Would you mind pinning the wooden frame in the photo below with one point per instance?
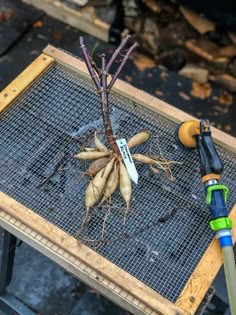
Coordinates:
(24, 80)
(86, 264)
(81, 20)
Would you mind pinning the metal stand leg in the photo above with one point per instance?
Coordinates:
(8, 303)
(6, 258)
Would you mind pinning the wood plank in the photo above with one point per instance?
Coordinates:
(205, 272)
(78, 19)
(24, 80)
(73, 265)
(86, 256)
(144, 99)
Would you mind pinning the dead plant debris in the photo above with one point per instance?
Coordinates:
(159, 93)
(184, 96)
(5, 15)
(37, 24)
(226, 98)
(164, 75)
(227, 128)
(143, 62)
(128, 78)
(201, 91)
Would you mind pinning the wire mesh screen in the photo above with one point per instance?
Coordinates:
(166, 231)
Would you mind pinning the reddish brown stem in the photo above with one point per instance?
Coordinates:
(88, 64)
(116, 52)
(100, 80)
(95, 67)
(105, 109)
(121, 66)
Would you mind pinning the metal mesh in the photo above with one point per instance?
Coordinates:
(52, 119)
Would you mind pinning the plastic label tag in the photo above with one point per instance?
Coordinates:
(127, 158)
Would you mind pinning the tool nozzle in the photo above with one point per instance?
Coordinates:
(186, 134)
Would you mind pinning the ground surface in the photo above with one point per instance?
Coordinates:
(45, 286)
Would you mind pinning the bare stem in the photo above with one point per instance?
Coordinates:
(100, 79)
(121, 66)
(95, 67)
(105, 109)
(116, 52)
(88, 64)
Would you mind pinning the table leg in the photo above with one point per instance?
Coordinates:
(8, 303)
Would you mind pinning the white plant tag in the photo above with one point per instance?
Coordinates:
(127, 158)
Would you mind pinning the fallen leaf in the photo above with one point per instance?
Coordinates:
(33, 52)
(227, 127)
(199, 114)
(164, 76)
(184, 96)
(201, 24)
(226, 98)
(6, 15)
(201, 91)
(38, 24)
(57, 35)
(157, 92)
(128, 78)
(143, 62)
(221, 109)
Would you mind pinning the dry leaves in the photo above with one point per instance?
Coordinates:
(201, 91)
(143, 62)
(57, 35)
(226, 98)
(201, 24)
(184, 96)
(227, 128)
(6, 15)
(38, 24)
(128, 78)
(164, 76)
(221, 109)
(159, 93)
